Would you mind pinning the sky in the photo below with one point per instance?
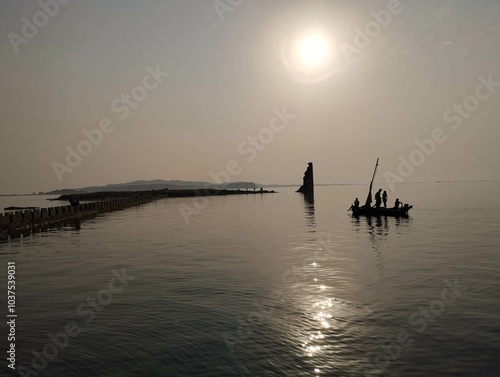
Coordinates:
(247, 90)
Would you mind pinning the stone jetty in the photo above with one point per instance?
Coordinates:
(25, 222)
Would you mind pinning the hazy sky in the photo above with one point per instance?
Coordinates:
(231, 68)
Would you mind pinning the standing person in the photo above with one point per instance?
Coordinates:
(378, 199)
(384, 199)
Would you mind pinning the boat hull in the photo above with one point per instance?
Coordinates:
(395, 212)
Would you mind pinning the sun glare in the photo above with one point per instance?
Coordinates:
(313, 49)
(310, 55)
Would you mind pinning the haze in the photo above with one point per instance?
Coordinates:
(232, 67)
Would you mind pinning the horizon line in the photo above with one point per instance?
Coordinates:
(298, 184)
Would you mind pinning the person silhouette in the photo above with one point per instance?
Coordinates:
(397, 203)
(355, 205)
(378, 199)
(74, 201)
(384, 199)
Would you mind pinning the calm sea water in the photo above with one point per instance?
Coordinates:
(265, 285)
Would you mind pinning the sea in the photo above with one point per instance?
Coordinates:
(260, 285)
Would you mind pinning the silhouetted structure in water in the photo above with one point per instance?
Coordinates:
(32, 220)
(307, 187)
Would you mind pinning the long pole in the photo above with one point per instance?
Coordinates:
(373, 177)
(369, 198)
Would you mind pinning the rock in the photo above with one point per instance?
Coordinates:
(307, 187)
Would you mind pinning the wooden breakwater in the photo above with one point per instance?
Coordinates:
(25, 222)
(28, 221)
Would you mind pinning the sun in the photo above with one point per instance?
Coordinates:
(313, 49)
(310, 55)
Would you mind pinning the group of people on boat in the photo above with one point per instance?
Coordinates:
(380, 197)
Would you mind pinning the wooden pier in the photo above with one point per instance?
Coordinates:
(25, 222)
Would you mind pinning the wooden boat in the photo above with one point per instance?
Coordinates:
(368, 210)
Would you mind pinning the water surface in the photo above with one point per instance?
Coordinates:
(269, 285)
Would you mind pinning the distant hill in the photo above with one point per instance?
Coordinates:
(62, 192)
(156, 184)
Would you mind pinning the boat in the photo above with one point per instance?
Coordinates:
(368, 210)
(395, 212)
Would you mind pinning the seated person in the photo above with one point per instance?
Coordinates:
(397, 203)
(355, 205)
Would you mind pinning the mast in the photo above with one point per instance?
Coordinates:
(369, 198)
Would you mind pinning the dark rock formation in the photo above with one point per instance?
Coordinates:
(307, 187)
